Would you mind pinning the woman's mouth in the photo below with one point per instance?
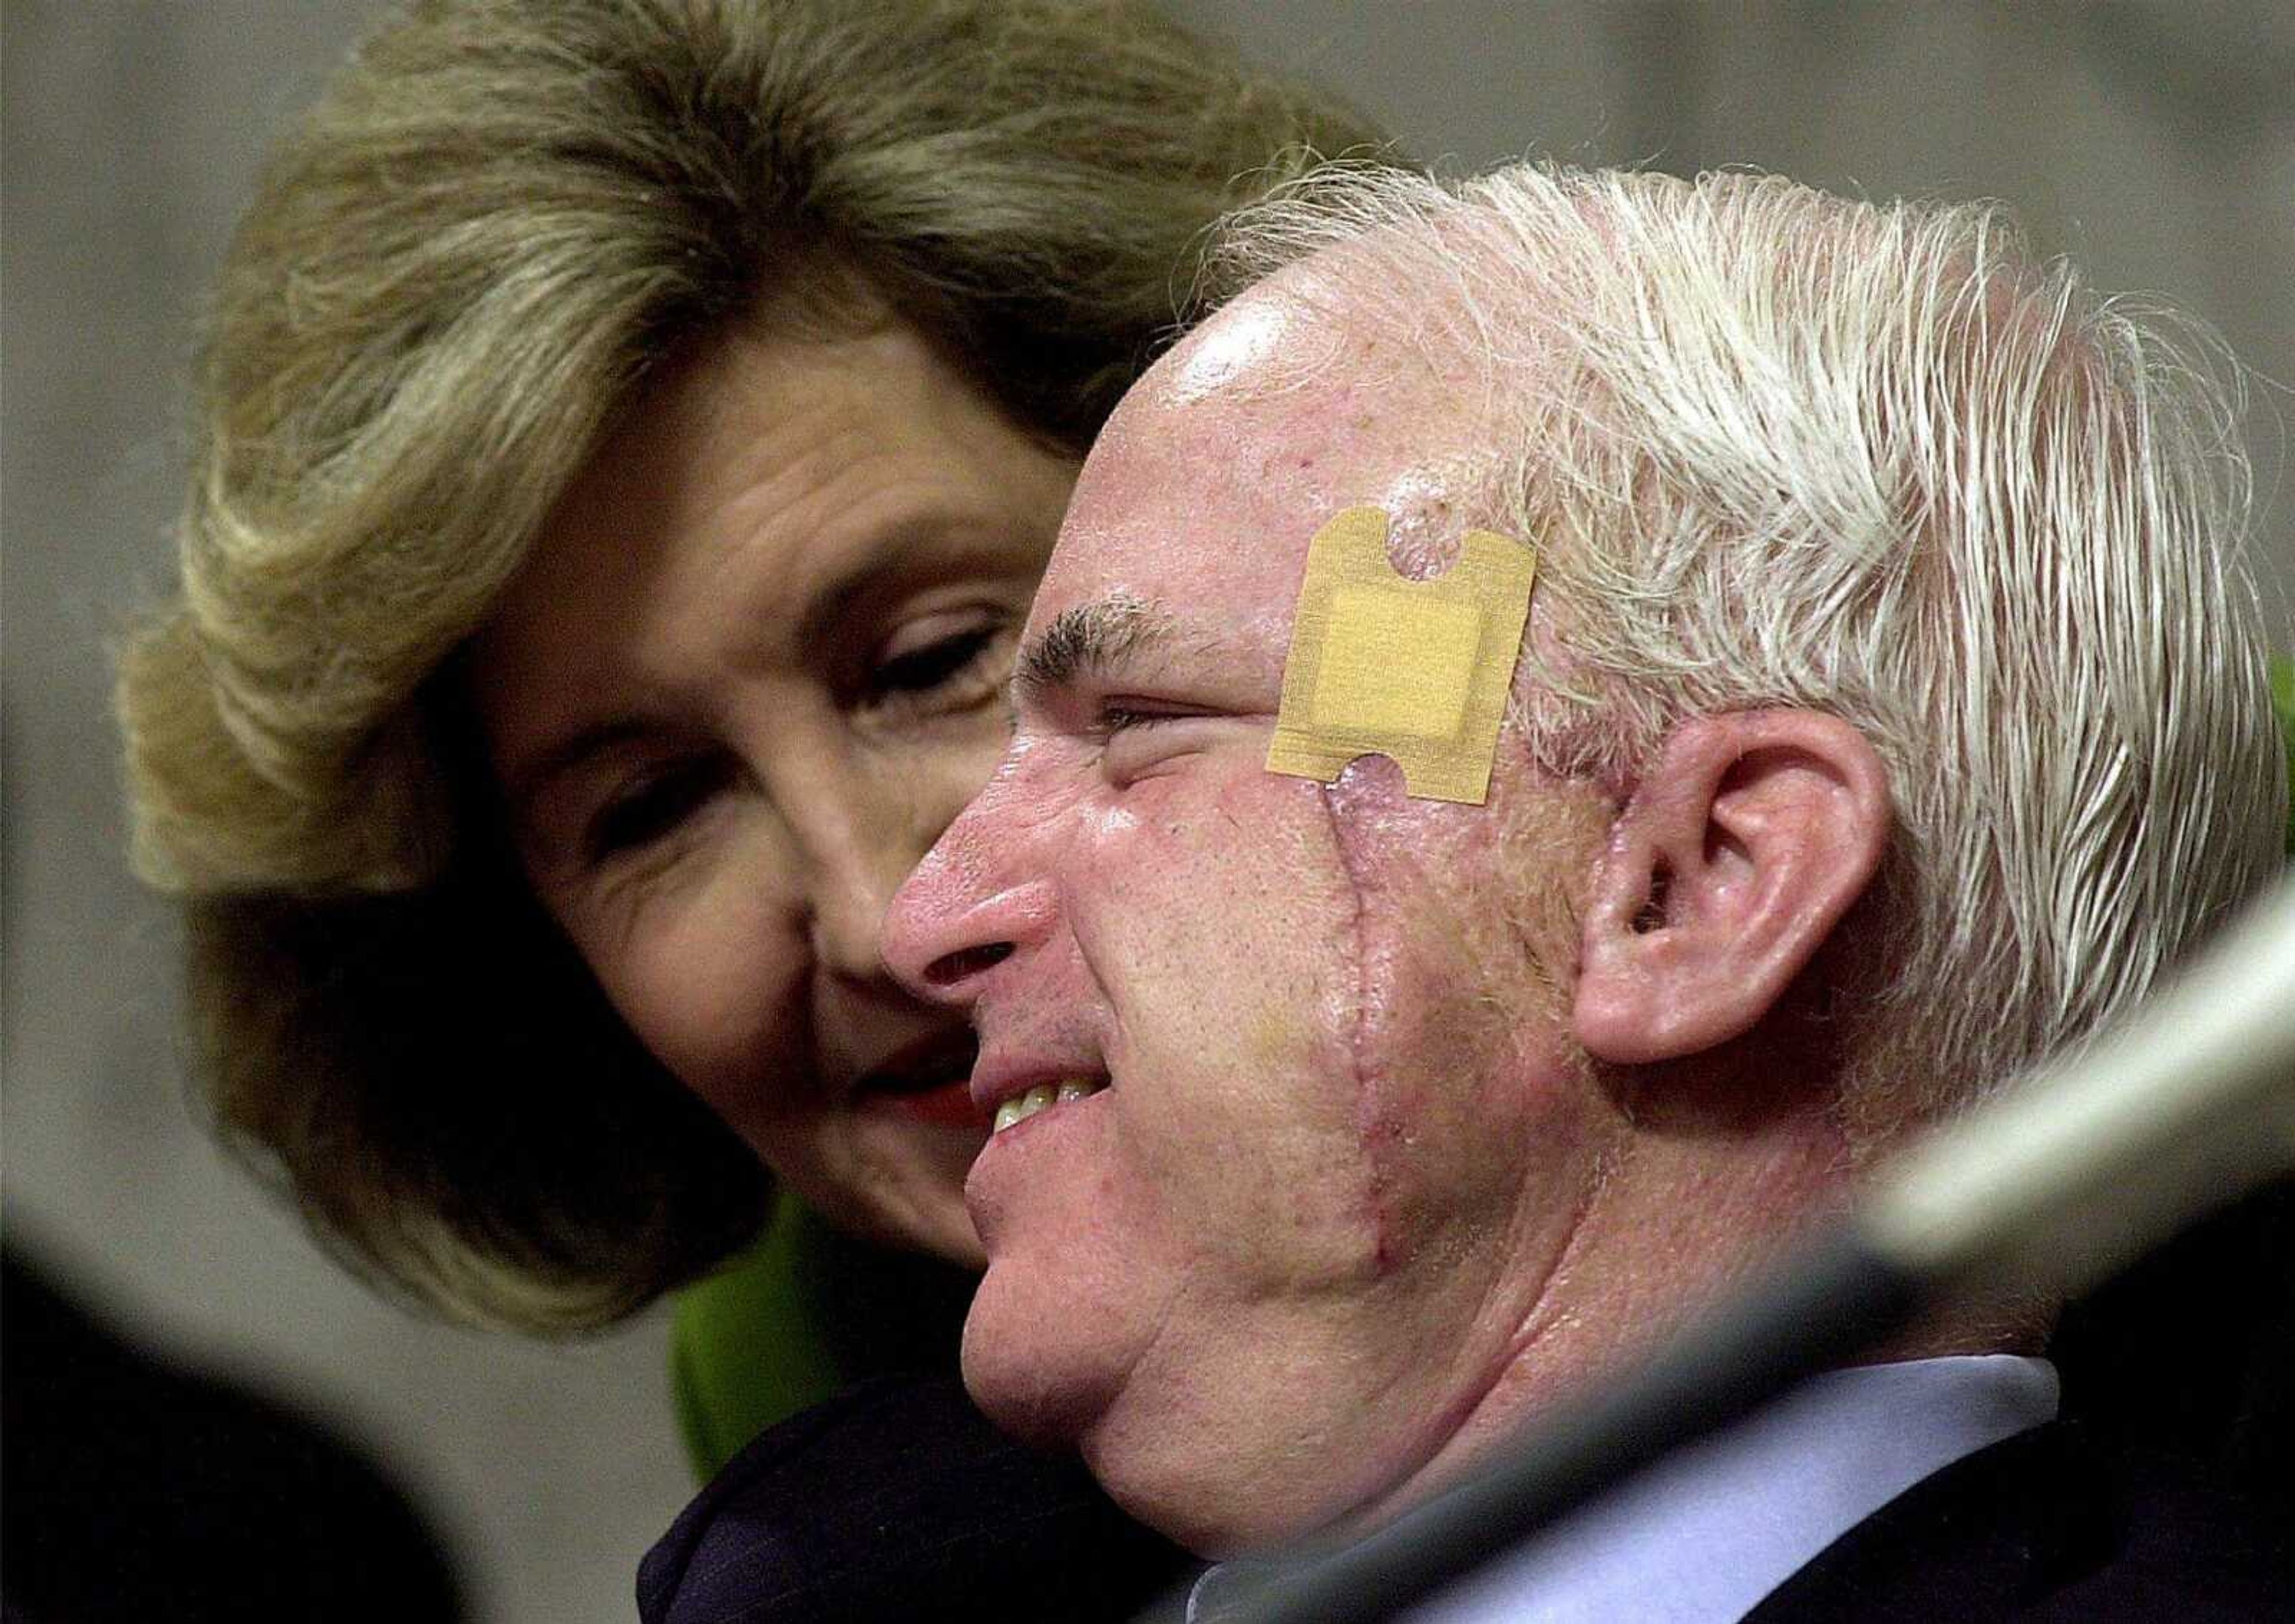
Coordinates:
(929, 1079)
(949, 1105)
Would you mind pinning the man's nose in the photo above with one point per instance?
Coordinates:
(968, 907)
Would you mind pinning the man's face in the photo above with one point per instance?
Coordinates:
(1335, 1139)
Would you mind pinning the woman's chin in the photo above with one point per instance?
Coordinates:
(900, 1182)
(950, 1236)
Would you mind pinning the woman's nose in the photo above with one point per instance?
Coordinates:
(969, 906)
(845, 906)
(851, 846)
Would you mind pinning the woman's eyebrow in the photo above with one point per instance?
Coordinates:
(1090, 640)
(525, 783)
(922, 549)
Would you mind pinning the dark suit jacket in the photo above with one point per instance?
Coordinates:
(2044, 1528)
(2050, 1526)
(896, 1501)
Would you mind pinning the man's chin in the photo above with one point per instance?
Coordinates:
(1019, 1376)
(1033, 1373)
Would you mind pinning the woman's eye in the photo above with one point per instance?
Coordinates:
(936, 661)
(643, 813)
(935, 665)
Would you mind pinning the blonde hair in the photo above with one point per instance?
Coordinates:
(455, 274)
(1788, 449)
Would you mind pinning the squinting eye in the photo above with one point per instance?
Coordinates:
(1117, 719)
(649, 809)
(1136, 743)
(921, 670)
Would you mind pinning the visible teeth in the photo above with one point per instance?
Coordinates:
(1020, 1107)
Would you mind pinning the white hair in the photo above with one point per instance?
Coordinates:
(1784, 448)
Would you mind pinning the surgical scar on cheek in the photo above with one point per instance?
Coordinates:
(1369, 1126)
(1416, 671)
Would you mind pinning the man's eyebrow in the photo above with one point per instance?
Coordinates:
(1087, 640)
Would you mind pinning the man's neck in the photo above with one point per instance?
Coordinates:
(1677, 1223)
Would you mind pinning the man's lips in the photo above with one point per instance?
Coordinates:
(927, 1078)
(1008, 1090)
(1018, 1108)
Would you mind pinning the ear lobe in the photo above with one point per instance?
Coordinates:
(1742, 848)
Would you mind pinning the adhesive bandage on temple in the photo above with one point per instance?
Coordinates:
(1416, 671)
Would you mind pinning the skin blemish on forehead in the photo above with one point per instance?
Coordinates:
(1424, 539)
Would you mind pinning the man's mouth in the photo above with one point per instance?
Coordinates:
(929, 1079)
(1019, 1107)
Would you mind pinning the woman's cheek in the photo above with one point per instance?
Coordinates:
(939, 781)
(709, 987)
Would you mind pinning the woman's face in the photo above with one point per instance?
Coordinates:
(755, 664)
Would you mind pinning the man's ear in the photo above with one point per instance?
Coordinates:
(1736, 856)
